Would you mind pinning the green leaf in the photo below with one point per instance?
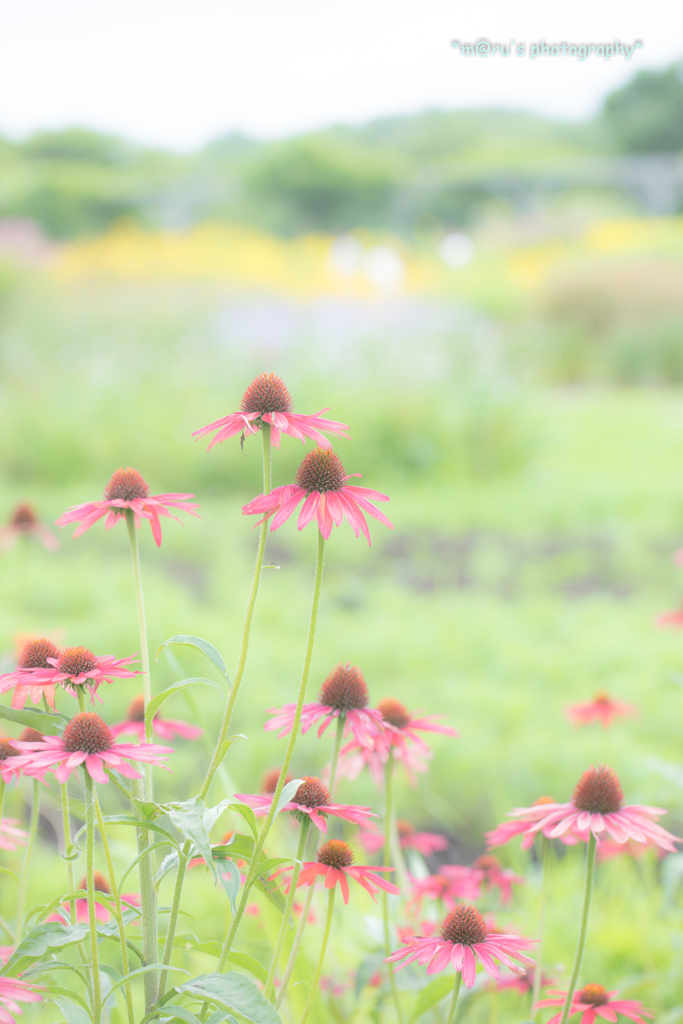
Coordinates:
(147, 849)
(239, 845)
(157, 701)
(131, 820)
(431, 995)
(51, 724)
(246, 812)
(42, 939)
(73, 1013)
(235, 993)
(66, 993)
(145, 970)
(227, 743)
(272, 892)
(287, 793)
(211, 947)
(207, 649)
(194, 820)
(229, 877)
(178, 1013)
(6, 871)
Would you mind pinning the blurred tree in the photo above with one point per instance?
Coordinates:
(647, 114)
(78, 145)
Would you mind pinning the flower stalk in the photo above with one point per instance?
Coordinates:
(538, 970)
(23, 878)
(321, 958)
(388, 825)
(587, 897)
(453, 1005)
(90, 883)
(286, 916)
(119, 910)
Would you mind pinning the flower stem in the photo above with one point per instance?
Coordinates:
(248, 616)
(286, 916)
(454, 998)
(321, 958)
(229, 707)
(538, 969)
(23, 880)
(388, 823)
(258, 845)
(144, 646)
(71, 882)
(119, 919)
(341, 722)
(90, 882)
(588, 893)
(2, 799)
(148, 907)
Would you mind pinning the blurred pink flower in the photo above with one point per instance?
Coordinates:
(25, 523)
(312, 798)
(526, 817)
(127, 489)
(335, 862)
(594, 1000)
(12, 992)
(493, 876)
(267, 400)
(601, 709)
(165, 728)
(11, 836)
(425, 843)
(320, 480)
(34, 675)
(670, 620)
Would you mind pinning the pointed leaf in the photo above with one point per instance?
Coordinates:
(431, 995)
(229, 877)
(188, 818)
(51, 724)
(147, 849)
(287, 793)
(247, 813)
(207, 649)
(145, 970)
(214, 948)
(73, 1013)
(44, 938)
(178, 1013)
(235, 993)
(157, 701)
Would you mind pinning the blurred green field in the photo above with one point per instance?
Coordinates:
(530, 556)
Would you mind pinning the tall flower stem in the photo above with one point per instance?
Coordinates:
(148, 908)
(538, 970)
(321, 958)
(2, 799)
(453, 1005)
(286, 916)
(388, 825)
(90, 818)
(119, 910)
(23, 878)
(258, 845)
(587, 896)
(229, 707)
(70, 879)
(144, 646)
(341, 722)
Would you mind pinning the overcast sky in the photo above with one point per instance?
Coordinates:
(177, 74)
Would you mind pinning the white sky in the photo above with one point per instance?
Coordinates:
(180, 73)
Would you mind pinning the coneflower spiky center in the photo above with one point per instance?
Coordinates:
(126, 485)
(87, 732)
(6, 748)
(75, 660)
(36, 652)
(394, 712)
(270, 780)
(24, 517)
(266, 393)
(101, 883)
(594, 995)
(30, 735)
(602, 698)
(464, 924)
(487, 862)
(335, 853)
(344, 689)
(598, 791)
(312, 793)
(136, 709)
(543, 800)
(404, 828)
(321, 470)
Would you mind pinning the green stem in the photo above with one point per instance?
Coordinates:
(90, 882)
(588, 893)
(258, 846)
(341, 722)
(2, 799)
(454, 998)
(248, 616)
(23, 880)
(80, 695)
(286, 917)
(321, 958)
(148, 907)
(538, 970)
(388, 821)
(144, 646)
(119, 910)
(71, 881)
(230, 705)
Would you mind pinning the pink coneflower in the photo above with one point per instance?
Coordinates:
(25, 523)
(425, 843)
(596, 806)
(321, 481)
(335, 862)
(464, 935)
(11, 836)
(267, 400)
(8, 752)
(34, 675)
(127, 489)
(86, 740)
(670, 620)
(77, 666)
(398, 738)
(496, 877)
(101, 913)
(166, 728)
(601, 709)
(527, 816)
(595, 1001)
(524, 983)
(343, 693)
(452, 882)
(608, 849)
(12, 992)
(313, 799)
